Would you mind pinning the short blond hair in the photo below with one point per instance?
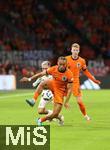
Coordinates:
(76, 45)
(46, 63)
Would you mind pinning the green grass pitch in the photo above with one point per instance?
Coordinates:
(77, 133)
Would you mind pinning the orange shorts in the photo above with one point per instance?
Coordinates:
(76, 89)
(58, 94)
(58, 97)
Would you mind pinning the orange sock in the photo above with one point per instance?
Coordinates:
(82, 108)
(36, 94)
(43, 119)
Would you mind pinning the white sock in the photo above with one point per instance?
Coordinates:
(86, 116)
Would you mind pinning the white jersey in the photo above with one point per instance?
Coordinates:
(39, 80)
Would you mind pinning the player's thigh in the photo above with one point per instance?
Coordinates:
(46, 84)
(58, 96)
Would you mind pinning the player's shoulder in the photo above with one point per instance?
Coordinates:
(52, 68)
(69, 71)
(68, 57)
(81, 59)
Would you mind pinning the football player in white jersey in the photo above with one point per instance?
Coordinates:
(46, 95)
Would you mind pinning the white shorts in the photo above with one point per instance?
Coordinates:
(43, 103)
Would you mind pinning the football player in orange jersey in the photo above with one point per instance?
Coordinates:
(61, 82)
(77, 64)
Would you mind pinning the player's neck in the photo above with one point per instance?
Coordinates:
(75, 57)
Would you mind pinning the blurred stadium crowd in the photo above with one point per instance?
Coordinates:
(27, 25)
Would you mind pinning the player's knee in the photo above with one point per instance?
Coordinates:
(79, 102)
(79, 99)
(43, 84)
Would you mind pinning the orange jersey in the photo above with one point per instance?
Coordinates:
(60, 79)
(76, 65)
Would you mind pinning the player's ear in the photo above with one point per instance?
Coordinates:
(78, 50)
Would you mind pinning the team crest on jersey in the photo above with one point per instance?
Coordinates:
(78, 64)
(64, 78)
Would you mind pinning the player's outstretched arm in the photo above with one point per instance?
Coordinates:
(90, 76)
(25, 79)
(69, 91)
